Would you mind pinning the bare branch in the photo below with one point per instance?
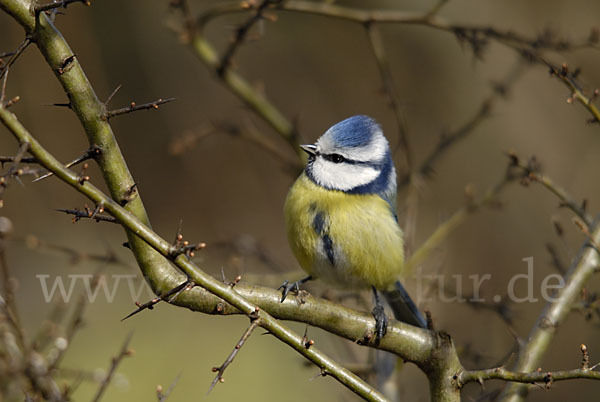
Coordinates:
(13, 58)
(88, 214)
(134, 108)
(489, 198)
(554, 314)
(169, 297)
(125, 352)
(241, 32)
(530, 172)
(255, 100)
(221, 369)
(378, 49)
(91, 153)
(547, 378)
(577, 93)
(162, 396)
(448, 140)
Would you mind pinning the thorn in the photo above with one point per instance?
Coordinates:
(114, 92)
(66, 65)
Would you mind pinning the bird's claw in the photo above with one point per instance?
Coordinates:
(381, 323)
(287, 286)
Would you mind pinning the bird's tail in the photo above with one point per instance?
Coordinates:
(403, 307)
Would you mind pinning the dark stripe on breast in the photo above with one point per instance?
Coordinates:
(321, 226)
(328, 246)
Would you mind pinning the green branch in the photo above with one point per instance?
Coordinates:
(168, 251)
(500, 373)
(554, 314)
(89, 109)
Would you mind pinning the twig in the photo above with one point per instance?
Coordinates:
(476, 35)
(59, 4)
(14, 56)
(162, 396)
(255, 100)
(554, 314)
(75, 324)
(530, 172)
(112, 94)
(450, 139)
(125, 352)
(8, 303)
(91, 153)
(8, 159)
(221, 369)
(240, 34)
(556, 261)
(247, 133)
(14, 171)
(88, 214)
(134, 108)
(169, 297)
(570, 80)
(447, 227)
(500, 373)
(378, 49)
(17, 160)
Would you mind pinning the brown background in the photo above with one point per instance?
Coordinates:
(317, 71)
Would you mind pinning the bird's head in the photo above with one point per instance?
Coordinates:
(352, 156)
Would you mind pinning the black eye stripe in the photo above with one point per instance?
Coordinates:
(337, 158)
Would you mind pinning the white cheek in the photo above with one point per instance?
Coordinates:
(342, 176)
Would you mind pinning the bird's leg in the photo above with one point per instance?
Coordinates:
(295, 286)
(381, 320)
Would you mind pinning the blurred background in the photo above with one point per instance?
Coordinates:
(229, 193)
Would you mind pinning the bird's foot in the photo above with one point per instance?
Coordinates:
(381, 322)
(286, 287)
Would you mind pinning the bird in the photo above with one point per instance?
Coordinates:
(341, 220)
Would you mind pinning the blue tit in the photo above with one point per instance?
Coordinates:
(341, 221)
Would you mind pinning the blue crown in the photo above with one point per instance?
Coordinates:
(354, 132)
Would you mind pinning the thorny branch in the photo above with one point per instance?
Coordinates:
(449, 139)
(162, 396)
(531, 172)
(555, 312)
(577, 92)
(256, 101)
(4, 66)
(442, 231)
(114, 363)
(221, 369)
(133, 107)
(241, 32)
(89, 214)
(182, 261)
(246, 132)
(91, 153)
(169, 296)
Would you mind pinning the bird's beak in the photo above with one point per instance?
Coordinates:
(310, 149)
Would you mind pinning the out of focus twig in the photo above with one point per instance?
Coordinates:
(114, 363)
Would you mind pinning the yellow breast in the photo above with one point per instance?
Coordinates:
(364, 236)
